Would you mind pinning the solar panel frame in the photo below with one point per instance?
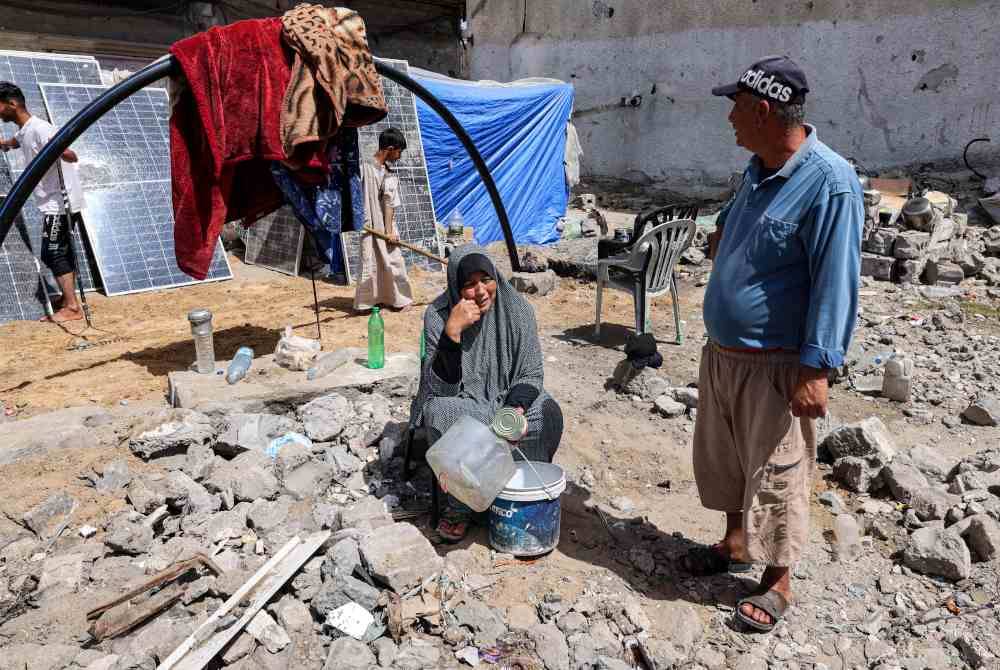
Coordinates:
(125, 171)
(18, 260)
(275, 242)
(415, 220)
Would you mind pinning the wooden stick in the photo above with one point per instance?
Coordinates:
(406, 245)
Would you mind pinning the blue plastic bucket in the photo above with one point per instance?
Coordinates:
(525, 517)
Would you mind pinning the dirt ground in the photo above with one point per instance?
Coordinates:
(615, 444)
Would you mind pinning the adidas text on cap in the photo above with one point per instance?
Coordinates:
(775, 78)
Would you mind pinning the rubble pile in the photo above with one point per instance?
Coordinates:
(230, 493)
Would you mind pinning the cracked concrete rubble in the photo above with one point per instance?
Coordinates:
(920, 593)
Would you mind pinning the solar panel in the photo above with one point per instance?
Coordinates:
(415, 221)
(125, 171)
(20, 294)
(275, 242)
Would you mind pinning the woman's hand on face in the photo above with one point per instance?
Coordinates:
(463, 314)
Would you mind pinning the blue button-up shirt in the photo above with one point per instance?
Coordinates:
(788, 267)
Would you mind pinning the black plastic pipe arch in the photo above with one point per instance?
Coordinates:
(168, 66)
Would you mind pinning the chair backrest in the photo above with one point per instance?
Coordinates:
(662, 215)
(664, 243)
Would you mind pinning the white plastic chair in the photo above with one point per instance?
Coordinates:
(650, 263)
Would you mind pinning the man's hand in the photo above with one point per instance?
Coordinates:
(811, 394)
(463, 315)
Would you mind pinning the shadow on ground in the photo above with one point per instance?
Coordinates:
(175, 356)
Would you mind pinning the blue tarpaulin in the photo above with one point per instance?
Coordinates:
(520, 130)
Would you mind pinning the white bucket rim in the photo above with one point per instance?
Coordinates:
(535, 493)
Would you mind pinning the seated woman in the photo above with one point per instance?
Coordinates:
(482, 354)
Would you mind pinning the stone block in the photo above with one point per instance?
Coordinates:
(668, 407)
(856, 474)
(908, 271)
(929, 461)
(931, 504)
(324, 418)
(266, 631)
(128, 537)
(346, 653)
(416, 654)
(249, 476)
(911, 245)
(340, 590)
(185, 494)
(877, 267)
(399, 556)
(868, 439)
(991, 241)
(550, 645)
(940, 552)
(943, 272)
(535, 283)
(903, 481)
(686, 396)
(881, 241)
(984, 411)
(365, 514)
(484, 622)
(983, 537)
(116, 476)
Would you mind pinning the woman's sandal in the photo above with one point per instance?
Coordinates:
(452, 531)
(706, 561)
(771, 603)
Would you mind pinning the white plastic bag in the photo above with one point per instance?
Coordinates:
(295, 352)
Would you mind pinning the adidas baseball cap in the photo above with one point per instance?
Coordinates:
(774, 78)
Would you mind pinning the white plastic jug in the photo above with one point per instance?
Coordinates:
(471, 463)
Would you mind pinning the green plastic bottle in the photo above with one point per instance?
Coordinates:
(376, 340)
(423, 347)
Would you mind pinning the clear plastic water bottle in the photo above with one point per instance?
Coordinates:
(204, 347)
(376, 340)
(327, 363)
(240, 364)
(847, 538)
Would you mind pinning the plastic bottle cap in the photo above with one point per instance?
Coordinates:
(197, 316)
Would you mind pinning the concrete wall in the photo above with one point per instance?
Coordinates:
(424, 34)
(894, 82)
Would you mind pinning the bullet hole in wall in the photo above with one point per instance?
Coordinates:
(652, 91)
(611, 12)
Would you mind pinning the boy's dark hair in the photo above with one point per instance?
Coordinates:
(391, 138)
(11, 93)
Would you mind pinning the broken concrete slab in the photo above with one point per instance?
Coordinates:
(249, 476)
(266, 630)
(171, 432)
(535, 283)
(340, 590)
(324, 418)
(246, 432)
(484, 622)
(550, 644)
(877, 267)
(278, 387)
(399, 556)
(46, 518)
(185, 494)
(63, 574)
(368, 513)
(125, 536)
(346, 653)
(37, 656)
(116, 476)
(63, 429)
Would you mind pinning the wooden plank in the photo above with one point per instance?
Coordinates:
(204, 644)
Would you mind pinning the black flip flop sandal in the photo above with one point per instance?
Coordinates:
(707, 561)
(770, 603)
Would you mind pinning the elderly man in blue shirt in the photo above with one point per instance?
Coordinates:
(779, 309)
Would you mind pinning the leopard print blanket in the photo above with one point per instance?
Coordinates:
(333, 81)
